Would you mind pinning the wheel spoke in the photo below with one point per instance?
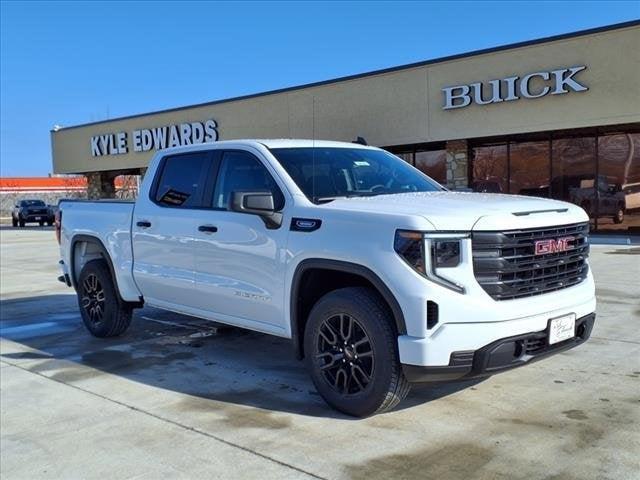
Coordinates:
(356, 368)
(341, 380)
(355, 377)
(86, 301)
(333, 359)
(334, 335)
(100, 296)
(348, 321)
(362, 341)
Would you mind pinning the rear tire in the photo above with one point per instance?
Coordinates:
(103, 312)
(351, 350)
(14, 222)
(21, 222)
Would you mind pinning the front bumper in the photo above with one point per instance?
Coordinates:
(37, 217)
(499, 356)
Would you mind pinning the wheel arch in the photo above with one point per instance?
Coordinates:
(297, 312)
(98, 251)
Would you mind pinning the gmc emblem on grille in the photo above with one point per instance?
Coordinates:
(554, 246)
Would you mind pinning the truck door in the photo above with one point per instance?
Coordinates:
(163, 229)
(239, 267)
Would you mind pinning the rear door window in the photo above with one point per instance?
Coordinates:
(182, 180)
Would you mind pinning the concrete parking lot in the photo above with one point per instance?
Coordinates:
(177, 398)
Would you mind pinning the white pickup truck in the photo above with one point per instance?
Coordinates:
(379, 275)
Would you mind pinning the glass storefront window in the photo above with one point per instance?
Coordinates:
(573, 171)
(490, 169)
(529, 168)
(406, 156)
(618, 201)
(573, 168)
(432, 163)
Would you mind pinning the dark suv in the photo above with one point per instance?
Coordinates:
(31, 211)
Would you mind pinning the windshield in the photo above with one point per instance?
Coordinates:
(324, 174)
(32, 203)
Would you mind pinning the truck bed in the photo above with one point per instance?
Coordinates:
(110, 222)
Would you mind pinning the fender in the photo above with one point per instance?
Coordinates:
(340, 266)
(98, 243)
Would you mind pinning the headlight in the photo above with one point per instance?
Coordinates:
(446, 253)
(428, 252)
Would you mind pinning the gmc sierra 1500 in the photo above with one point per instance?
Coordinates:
(379, 275)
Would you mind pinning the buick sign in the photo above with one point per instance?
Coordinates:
(554, 82)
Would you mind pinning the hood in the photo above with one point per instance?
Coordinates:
(464, 211)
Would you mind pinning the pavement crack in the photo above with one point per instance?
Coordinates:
(173, 422)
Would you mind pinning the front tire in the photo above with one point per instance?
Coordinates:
(103, 312)
(21, 222)
(14, 222)
(619, 217)
(351, 350)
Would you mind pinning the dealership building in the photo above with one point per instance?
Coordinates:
(556, 117)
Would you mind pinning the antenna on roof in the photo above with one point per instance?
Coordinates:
(313, 148)
(360, 141)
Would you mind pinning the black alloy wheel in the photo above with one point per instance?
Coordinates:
(93, 299)
(344, 348)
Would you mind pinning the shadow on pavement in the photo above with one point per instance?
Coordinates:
(27, 227)
(174, 352)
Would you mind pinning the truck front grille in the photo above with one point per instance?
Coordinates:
(507, 267)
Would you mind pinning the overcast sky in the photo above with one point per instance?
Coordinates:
(72, 63)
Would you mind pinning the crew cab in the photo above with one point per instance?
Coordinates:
(380, 276)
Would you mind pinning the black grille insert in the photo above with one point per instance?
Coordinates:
(507, 267)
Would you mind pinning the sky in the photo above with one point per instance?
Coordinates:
(67, 63)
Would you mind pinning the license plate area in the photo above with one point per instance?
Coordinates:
(562, 328)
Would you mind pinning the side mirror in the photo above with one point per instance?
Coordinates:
(257, 203)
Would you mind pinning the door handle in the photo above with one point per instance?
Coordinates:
(207, 229)
(143, 224)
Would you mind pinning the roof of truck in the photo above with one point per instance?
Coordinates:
(305, 143)
(269, 143)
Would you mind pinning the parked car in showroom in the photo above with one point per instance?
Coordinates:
(380, 276)
(32, 211)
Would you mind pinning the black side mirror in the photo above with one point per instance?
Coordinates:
(257, 203)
